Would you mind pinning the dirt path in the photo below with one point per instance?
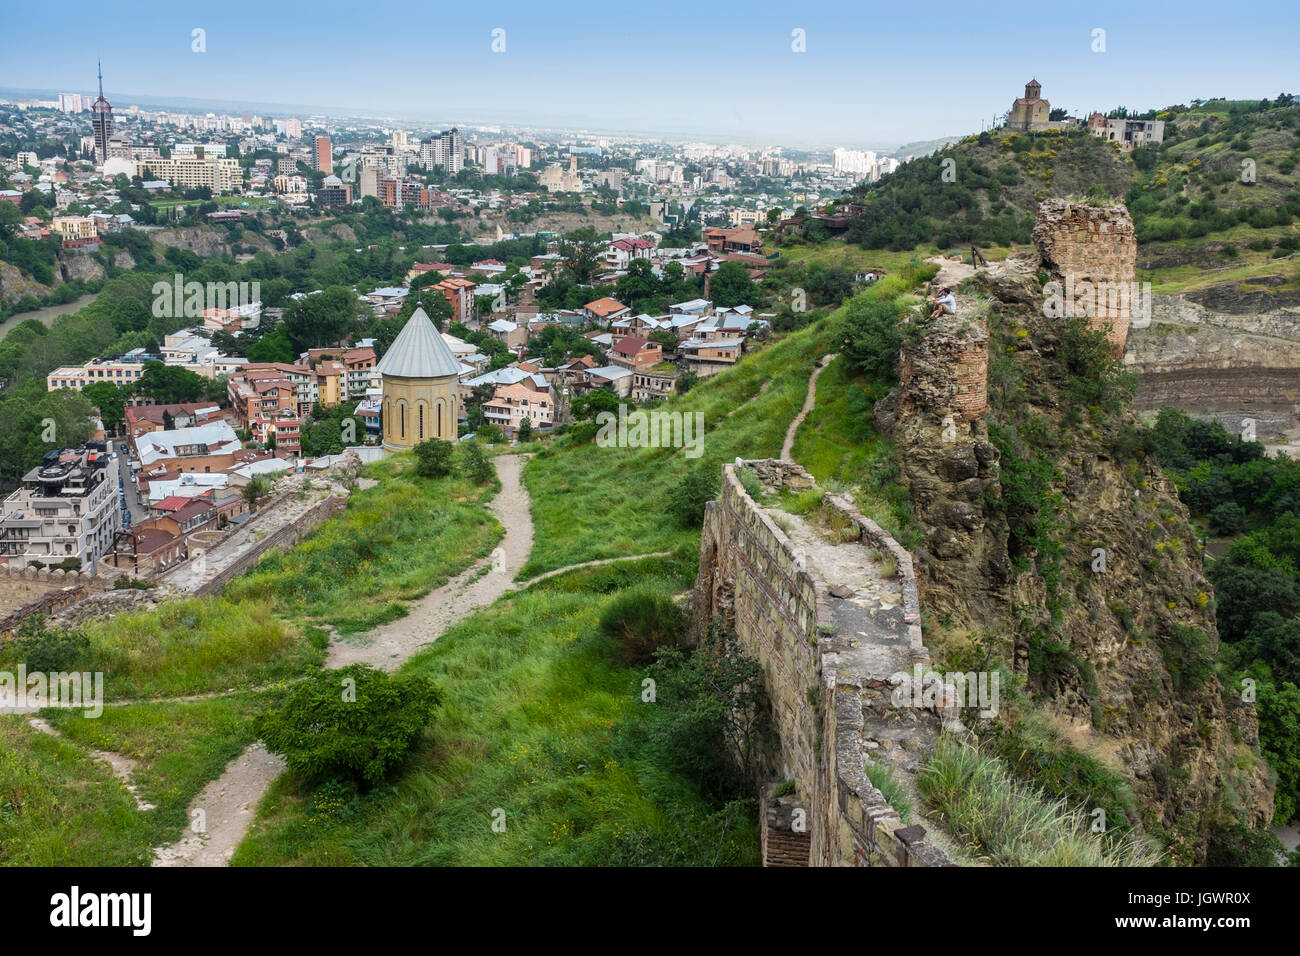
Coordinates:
(589, 564)
(229, 803)
(809, 401)
(951, 271)
(389, 644)
(122, 765)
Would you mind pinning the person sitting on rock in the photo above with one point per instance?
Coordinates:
(944, 303)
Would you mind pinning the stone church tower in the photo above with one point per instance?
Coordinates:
(421, 388)
(1030, 111)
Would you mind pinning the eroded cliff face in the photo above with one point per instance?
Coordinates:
(1049, 530)
(1223, 351)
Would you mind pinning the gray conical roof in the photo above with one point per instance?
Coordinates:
(419, 351)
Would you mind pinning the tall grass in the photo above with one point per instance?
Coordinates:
(1011, 824)
(591, 502)
(533, 698)
(394, 543)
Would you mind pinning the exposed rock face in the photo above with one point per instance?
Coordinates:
(205, 240)
(950, 467)
(1220, 352)
(79, 265)
(14, 284)
(1126, 651)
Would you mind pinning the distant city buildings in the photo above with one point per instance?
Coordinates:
(101, 121)
(324, 155)
(446, 149)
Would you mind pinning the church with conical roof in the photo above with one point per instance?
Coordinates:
(421, 386)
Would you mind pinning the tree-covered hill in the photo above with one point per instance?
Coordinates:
(1222, 165)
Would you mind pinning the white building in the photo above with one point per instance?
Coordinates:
(67, 508)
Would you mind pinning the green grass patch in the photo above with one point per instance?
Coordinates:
(591, 502)
(527, 735)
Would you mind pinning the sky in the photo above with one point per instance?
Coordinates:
(797, 74)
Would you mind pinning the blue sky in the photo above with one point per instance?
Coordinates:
(872, 73)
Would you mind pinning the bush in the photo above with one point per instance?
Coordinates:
(642, 620)
(1238, 845)
(687, 499)
(433, 458)
(711, 719)
(50, 650)
(525, 432)
(872, 336)
(476, 466)
(356, 723)
(1227, 518)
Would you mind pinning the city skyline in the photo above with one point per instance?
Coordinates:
(882, 86)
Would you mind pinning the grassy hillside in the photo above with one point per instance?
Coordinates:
(58, 806)
(1226, 171)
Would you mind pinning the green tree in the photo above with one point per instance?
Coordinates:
(433, 458)
(871, 336)
(169, 384)
(323, 319)
(477, 467)
(525, 431)
(109, 399)
(731, 286)
(582, 249)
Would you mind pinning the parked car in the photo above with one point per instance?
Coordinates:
(124, 450)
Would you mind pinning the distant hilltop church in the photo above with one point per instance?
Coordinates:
(420, 392)
(1030, 111)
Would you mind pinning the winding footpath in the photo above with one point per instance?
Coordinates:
(809, 401)
(226, 806)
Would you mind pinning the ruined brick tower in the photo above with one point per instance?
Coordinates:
(1092, 252)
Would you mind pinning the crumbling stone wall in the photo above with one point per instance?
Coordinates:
(949, 370)
(751, 575)
(1097, 245)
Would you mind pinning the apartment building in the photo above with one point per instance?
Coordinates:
(67, 507)
(460, 293)
(511, 404)
(222, 176)
(323, 155)
(74, 227)
(122, 370)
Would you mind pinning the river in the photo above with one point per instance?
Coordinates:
(46, 315)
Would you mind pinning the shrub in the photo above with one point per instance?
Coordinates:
(525, 432)
(476, 466)
(642, 620)
(749, 481)
(433, 458)
(50, 650)
(872, 336)
(356, 723)
(711, 718)
(687, 499)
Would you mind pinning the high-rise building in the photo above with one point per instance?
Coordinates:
(324, 155)
(293, 128)
(447, 150)
(101, 121)
(71, 102)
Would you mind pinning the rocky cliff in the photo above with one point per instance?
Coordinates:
(1051, 532)
(1224, 351)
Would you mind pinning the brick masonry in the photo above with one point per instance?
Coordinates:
(752, 576)
(1080, 243)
